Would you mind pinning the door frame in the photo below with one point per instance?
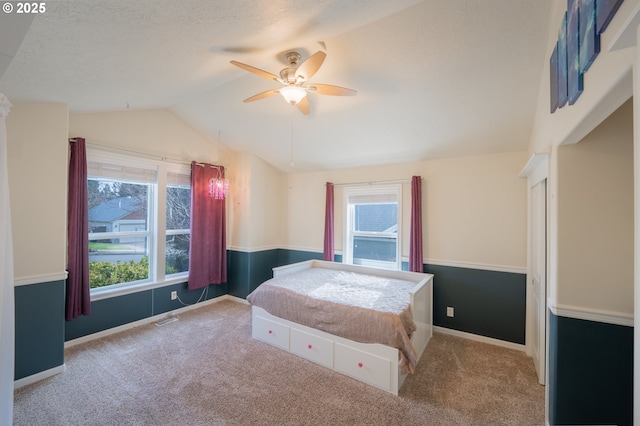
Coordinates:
(536, 171)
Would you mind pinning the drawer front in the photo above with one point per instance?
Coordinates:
(368, 368)
(270, 331)
(312, 347)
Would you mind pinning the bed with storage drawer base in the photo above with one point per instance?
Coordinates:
(367, 323)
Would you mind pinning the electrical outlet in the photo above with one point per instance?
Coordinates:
(449, 311)
(174, 295)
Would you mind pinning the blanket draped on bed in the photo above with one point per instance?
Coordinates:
(359, 307)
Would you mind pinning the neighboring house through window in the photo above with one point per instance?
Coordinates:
(139, 212)
(372, 221)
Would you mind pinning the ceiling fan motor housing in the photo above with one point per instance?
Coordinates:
(288, 76)
(293, 58)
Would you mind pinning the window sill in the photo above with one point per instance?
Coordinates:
(107, 293)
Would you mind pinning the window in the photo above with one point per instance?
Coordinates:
(139, 213)
(372, 223)
(119, 232)
(178, 218)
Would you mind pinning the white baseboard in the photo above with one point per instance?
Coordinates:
(149, 320)
(236, 299)
(17, 384)
(478, 338)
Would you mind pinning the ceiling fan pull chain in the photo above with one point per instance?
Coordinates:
(291, 163)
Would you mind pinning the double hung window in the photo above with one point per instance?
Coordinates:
(372, 218)
(138, 220)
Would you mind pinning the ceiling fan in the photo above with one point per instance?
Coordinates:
(295, 80)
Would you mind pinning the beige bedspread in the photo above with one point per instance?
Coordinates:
(359, 307)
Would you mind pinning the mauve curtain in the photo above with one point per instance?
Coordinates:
(208, 246)
(327, 253)
(7, 316)
(415, 237)
(78, 300)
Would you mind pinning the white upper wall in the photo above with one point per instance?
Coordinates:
(267, 200)
(255, 204)
(37, 152)
(474, 208)
(158, 132)
(608, 84)
(595, 217)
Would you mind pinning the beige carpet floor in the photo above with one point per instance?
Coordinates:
(205, 369)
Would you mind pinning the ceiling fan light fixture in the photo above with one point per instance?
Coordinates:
(293, 79)
(293, 94)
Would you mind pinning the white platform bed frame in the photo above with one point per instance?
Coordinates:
(371, 363)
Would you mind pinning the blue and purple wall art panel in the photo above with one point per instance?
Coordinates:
(553, 73)
(589, 37)
(562, 64)
(574, 77)
(577, 48)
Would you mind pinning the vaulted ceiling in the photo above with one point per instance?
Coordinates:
(435, 78)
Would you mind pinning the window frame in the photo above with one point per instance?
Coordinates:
(156, 218)
(349, 219)
(173, 232)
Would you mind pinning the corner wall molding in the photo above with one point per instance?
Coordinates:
(481, 266)
(590, 314)
(39, 279)
(252, 249)
(307, 249)
(438, 262)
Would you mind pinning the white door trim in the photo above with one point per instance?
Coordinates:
(535, 171)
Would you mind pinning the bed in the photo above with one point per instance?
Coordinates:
(368, 323)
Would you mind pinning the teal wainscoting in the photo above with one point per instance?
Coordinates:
(109, 313)
(39, 327)
(247, 270)
(590, 372)
(486, 303)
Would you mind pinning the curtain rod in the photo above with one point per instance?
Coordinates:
(213, 166)
(136, 153)
(372, 182)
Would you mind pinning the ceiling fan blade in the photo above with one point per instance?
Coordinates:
(308, 68)
(257, 71)
(328, 89)
(262, 95)
(303, 106)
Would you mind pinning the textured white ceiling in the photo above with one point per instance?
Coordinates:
(15, 27)
(434, 78)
